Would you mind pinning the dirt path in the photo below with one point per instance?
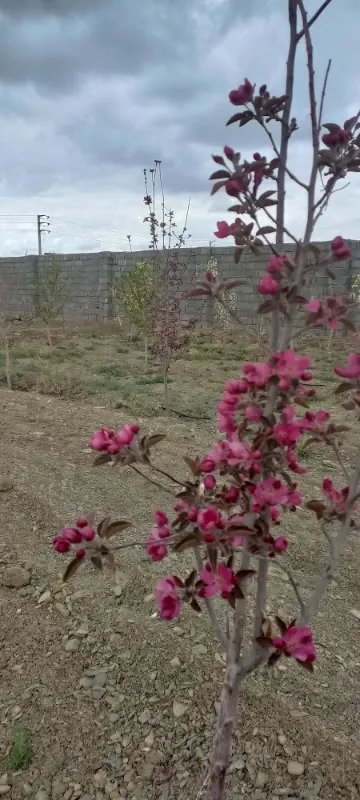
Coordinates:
(117, 703)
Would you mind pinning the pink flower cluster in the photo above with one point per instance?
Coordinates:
(156, 544)
(337, 499)
(276, 269)
(224, 229)
(336, 138)
(167, 597)
(242, 95)
(222, 581)
(330, 310)
(110, 442)
(339, 250)
(271, 493)
(82, 532)
(297, 643)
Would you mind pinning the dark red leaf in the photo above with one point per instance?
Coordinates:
(193, 465)
(96, 562)
(266, 307)
(185, 543)
(265, 230)
(349, 405)
(190, 580)
(102, 458)
(116, 527)
(349, 123)
(281, 625)
(308, 665)
(263, 641)
(332, 127)
(102, 526)
(195, 605)
(235, 117)
(317, 506)
(219, 174)
(342, 387)
(217, 186)
(72, 568)
(197, 293)
(155, 439)
(218, 160)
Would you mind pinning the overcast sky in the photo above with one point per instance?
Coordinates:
(92, 91)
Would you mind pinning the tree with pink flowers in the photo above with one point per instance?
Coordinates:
(230, 512)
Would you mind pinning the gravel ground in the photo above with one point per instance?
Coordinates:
(117, 703)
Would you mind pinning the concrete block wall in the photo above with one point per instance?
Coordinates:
(90, 276)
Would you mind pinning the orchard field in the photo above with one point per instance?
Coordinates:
(98, 697)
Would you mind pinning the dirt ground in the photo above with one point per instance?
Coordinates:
(116, 703)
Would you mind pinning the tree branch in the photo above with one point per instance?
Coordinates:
(284, 141)
(210, 608)
(313, 19)
(151, 480)
(276, 150)
(337, 545)
(261, 594)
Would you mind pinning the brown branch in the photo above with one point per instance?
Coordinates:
(151, 480)
(336, 450)
(221, 635)
(284, 141)
(313, 19)
(323, 93)
(277, 151)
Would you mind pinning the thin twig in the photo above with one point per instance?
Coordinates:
(313, 19)
(151, 480)
(337, 545)
(336, 450)
(323, 93)
(210, 608)
(283, 568)
(277, 151)
(284, 140)
(283, 227)
(166, 475)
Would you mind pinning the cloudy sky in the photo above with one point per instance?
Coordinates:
(92, 91)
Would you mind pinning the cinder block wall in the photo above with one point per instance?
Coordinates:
(90, 276)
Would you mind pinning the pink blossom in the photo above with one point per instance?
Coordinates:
(316, 422)
(258, 373)
(242, 95)
(280, 544)
(298, 643)
(292, 460)
(229, 152)
(208, 518)
(223, 230)
(276, 264)
(223, 580)
(313, 306)
(288, 366)
(209, 483)
(100, 440)
(231, 495)
(234, 187)
(236, 387)
(207, 464)
(88, 533)
(71, 535)
(253, 414)
(287, 433)
(81, 523)
(161, 518)
(337, 499)
(80, 553)
(339, 249)
(61, 545)
(270, 492)
(155, 546)
(268, 285)
(240, 453)
(167, 598)
(193, 511)
(352, 371)
(126, 435)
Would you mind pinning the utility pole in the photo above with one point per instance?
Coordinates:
(42, 227)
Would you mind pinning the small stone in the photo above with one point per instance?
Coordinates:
(16, 577)
(4, 788)
(149, 598)
(149, 741)
(295, 768)
(261, 780)
(239, 764)
(45, 597)
(145, 716)
(62, 609)
(58, 788)
(41, 795)
(27, 789)
(179, 709)
(175, 662)
(6, 485)
(118, 590)
(178, 631)
(125, 655)
(199, 650)
(4, 779)
(85, 682)
(82, 632)
(355, 613)
(100, 778)
(282, 739)
(72, 645)
(99, 680)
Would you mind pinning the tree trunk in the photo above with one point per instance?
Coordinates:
(221, 754)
